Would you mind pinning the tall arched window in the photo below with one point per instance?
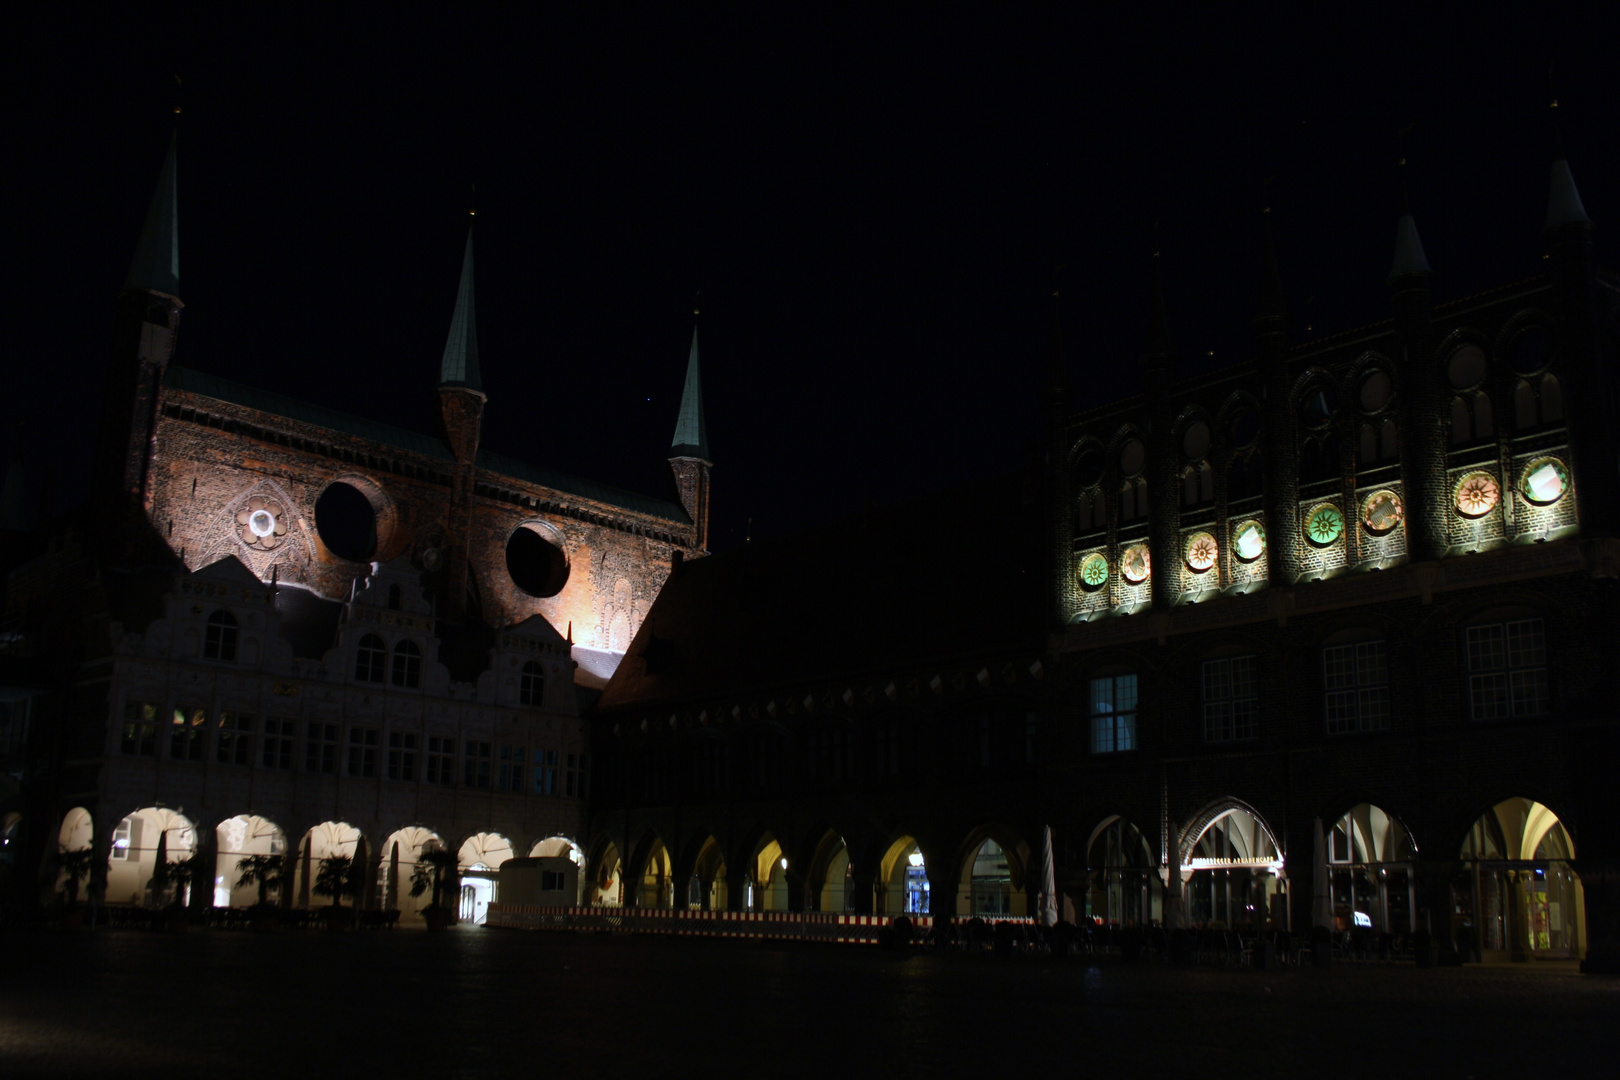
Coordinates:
(1197, 484)
(532, 684)
(1472, 418)
(369, 658)
(1245, 478)
(220, 641)
(407, 665)
(1537, 402)
(1133, 500)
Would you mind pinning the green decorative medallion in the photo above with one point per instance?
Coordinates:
(1093, 571)
(1324, 525)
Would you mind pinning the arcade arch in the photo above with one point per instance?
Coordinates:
(78, 830)
(235, 839)
(1124, 887)
(1370, 857)
(992, 883)
(1517, 895)
(327, 840)
(1232, 873)
(831, 868)
(479, 861)
(607, 884)
(767, 885)
(657, 890)
(904, 873)
(139, 842)
(707, 889)
(400, 854)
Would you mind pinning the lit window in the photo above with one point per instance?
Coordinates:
(532, 684)
(1113, 714)
(1355, 679)
(369, 657)
(186, 734)
(407, 665)
(1507, 670)
(140, 729)
(219, 643)
(1231, 700)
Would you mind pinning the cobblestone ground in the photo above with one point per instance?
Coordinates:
(492, 1003)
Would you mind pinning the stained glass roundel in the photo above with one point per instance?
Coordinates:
(1381, 512)
(1136, 564)
(1093, 571)
(1478, 494)
(1249, 541)
(1544, 482)
(1201, 551)
(1324, 525)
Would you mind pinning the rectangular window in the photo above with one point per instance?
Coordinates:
(320, 747)
(140, 729)
(1231, 700)
(577, 778)
(186, 734)
(363, 743)
(475, 764)
(1355, 681)
(278, 743)
(126, 837)
(441, 760)
(512, 774)
(1507, 670)
(545, 772)
(1113, 714)
(402, 755)
(234, 743)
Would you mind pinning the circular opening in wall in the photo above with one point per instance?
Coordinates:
(1243, 427)
(1375, 391)
(346, 522)
(1195, 440)
(1530, 351)
(1316, 409)
(1466, 367)
(536, 566)
(1088, 467)
(1132, 456)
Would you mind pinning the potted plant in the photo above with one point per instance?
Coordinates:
(74, 867)
(434, 869)
(338, 876)
(267, 872)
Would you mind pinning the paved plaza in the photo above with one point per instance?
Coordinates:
(490, 1003)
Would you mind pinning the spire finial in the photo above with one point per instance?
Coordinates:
(460, 364)
(1563, 200)
(691, 430)
(157, 257)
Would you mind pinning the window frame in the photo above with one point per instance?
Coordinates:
(1120, 721)
(221, 636)
(1525, 681)
(1237, 728)
(1364, 701)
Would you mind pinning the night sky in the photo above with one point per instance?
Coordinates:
(872, 207)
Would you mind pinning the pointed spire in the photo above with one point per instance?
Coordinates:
(460, 364)
(691, 431)
(1563, 201)
(1158, 340)
(157, 256)
(1409, 256)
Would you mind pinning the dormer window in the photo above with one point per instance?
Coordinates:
(407, 665)
(220, 640)
(532, 684)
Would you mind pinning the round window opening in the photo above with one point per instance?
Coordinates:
(1195, 440)
(1088, 468)
(1244, 427)
(262, 523)
(1324, 525)
(1132, 456)
(536, 566)
(1382, 512)
(1249, 541)
(1375, 391)
(1478, 494)
(1466, 368)
(1093, 571)
(1545, 481)
(346, 522)
(1201, 552)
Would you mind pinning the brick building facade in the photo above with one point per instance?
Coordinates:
(1323, 638)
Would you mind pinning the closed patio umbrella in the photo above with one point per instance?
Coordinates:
(303, 889)
(160, 868)
(1049, 913)
(1321, 883)
(391, 894)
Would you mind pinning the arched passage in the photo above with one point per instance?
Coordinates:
(399, 856)
(707, 891)
(768, 878)
(238, 839)
(904, 874)
(479, 860)
(560, 847)
(657, 890)
(1232, 872)
(1123, 883)
(832, 876)
(607, 883)
(992, 882)
(1517, 895)
(138, 842)
(1370, 857)
(328, 840)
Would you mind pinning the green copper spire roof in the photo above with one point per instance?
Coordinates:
(460, 365)
(691, 432)
(157, 257)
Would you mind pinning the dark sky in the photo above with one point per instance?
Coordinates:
(871, 205)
